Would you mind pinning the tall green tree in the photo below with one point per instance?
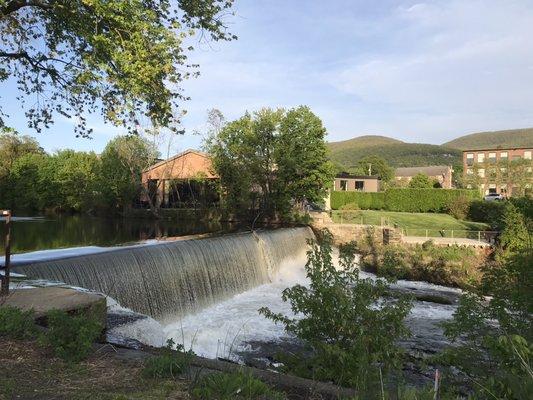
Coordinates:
(126, 59)
(374, 165)
(270, 159)
(13, 146)
(421, 181)
(123, 160)
(304, 171)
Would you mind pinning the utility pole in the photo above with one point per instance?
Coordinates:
(4, 282)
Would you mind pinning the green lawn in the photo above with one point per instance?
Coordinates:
(414, 224)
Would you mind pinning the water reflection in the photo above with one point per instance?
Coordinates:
(43, 233)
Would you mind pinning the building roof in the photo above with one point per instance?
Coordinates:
(496, 148)
(188, 151)
(346, 175)
(433, 170)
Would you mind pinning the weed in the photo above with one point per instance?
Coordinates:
(169, 364)
(238, 385)
(16, 324)
(71, 336)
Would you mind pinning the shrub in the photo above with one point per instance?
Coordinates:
(348, 321)
(71, 336)
(458, 207)
(350, 207)
(486, 211)
(403, 199)
(169, 364)
(424, 200)
(363, 200)
(16, 324)
(237, 385)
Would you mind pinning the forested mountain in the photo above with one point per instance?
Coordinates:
(495, 139)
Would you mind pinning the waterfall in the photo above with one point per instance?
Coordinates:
(173, 279)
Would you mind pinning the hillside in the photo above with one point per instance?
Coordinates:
(397, 153)
(492, 140)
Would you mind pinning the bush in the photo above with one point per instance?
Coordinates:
(16, 324)
(363, 200)
(169, 364)
(350, 207)
(349, 322)
(486, 211)
(458, 208)
(71, 336)
(403, 199)
(238, 385)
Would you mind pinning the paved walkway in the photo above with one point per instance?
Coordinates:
(445, 241)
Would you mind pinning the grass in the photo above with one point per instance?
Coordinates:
(29, 371)
(414, 224)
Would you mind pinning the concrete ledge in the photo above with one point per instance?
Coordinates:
(44, 299)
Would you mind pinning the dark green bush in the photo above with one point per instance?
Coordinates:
(425, 200)
(365, 201)
(71, 336)
(486, 211)
(16, 324)
(222, 386)
(403, 199)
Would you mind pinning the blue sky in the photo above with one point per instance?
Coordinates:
(417, 71)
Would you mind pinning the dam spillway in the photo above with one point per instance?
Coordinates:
(173, 279)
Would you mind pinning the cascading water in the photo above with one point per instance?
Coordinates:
(170, 280)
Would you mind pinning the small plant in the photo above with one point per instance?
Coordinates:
(238, 385)
(170, 364)
(16, 324)
(458, 207)
(349, 323)
(71, 336)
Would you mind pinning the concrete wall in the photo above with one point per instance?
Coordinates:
(369, 184)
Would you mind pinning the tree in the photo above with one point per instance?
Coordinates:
(270, 158)
(75, 175)
(125, 59)
(303, 168)
(374, 165)
(123, 160)
(421, 181)
(13, 146)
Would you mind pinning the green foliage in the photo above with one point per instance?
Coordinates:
(362, 200)
(16, 324)
(172, 362)
(374, 165)
(123, 160)
(514, 234)
(71, 336)
(399, 199)
(270, 158)
(449, 266)
(421, 181)
(486, 211)
(459, 207)
(398, 154)
(229, 386)
(125, 59)
(507, 139)
(363, 331)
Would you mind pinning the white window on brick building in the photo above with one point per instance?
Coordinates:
(480, 157)
(481, 172)
(504, 155)
(469, 171)
(527, 155)
(469, 158)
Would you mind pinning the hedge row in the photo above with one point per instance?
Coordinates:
(408, 200)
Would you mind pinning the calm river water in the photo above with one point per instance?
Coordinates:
(57, 232)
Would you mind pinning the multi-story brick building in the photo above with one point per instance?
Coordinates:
(505, 171)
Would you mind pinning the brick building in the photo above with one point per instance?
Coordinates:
(506, 171)
(185, 180)
(440, 173)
